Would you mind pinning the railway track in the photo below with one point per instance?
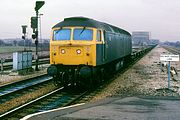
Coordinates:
(52, 100)
(10, 66)
(90, 94)
(172, 49)
(61, 98)
(13, 90)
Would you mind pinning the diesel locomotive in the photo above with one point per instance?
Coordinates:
(84, 51)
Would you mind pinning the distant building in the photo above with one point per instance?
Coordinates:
(140, 38)
(153, 41)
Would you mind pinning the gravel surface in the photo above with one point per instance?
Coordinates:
(145, 78)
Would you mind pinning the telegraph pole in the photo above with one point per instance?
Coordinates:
(34, 26)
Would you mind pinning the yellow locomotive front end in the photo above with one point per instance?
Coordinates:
(73, 46)
(72, 54)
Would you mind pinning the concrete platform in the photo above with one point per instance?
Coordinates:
(116, 108)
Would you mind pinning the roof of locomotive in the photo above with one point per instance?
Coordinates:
(87, 22)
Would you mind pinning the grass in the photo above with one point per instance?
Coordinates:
(6, 49)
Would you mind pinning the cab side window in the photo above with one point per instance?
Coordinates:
(98, 39)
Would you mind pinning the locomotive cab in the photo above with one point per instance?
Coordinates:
(75, 45)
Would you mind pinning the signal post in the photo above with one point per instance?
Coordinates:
(34, 26)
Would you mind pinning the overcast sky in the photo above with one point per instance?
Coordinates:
(160, 17)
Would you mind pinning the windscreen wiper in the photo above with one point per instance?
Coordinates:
(56, 31)
(82, 30)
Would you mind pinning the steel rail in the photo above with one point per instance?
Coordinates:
(172, 50)
(29, 103)
(8, 67)
(14, 113)
(11, 89)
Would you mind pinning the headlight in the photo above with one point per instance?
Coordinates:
(78, 51)
(62, 51)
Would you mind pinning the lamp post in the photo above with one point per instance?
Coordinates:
(40, 34)
(40, 30)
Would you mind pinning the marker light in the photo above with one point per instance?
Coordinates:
(62, 51)
(78, 51)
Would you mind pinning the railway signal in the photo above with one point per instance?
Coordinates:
(24, 32)
(34, 26)
(24, 29)
(33, 22)
(39, 4)
(34, 36)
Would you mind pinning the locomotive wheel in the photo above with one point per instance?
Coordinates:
(91, 83)
(102, 75)
(56, 81)
(59, 79)
(64, 79)
(87, 83)
(97, 79)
